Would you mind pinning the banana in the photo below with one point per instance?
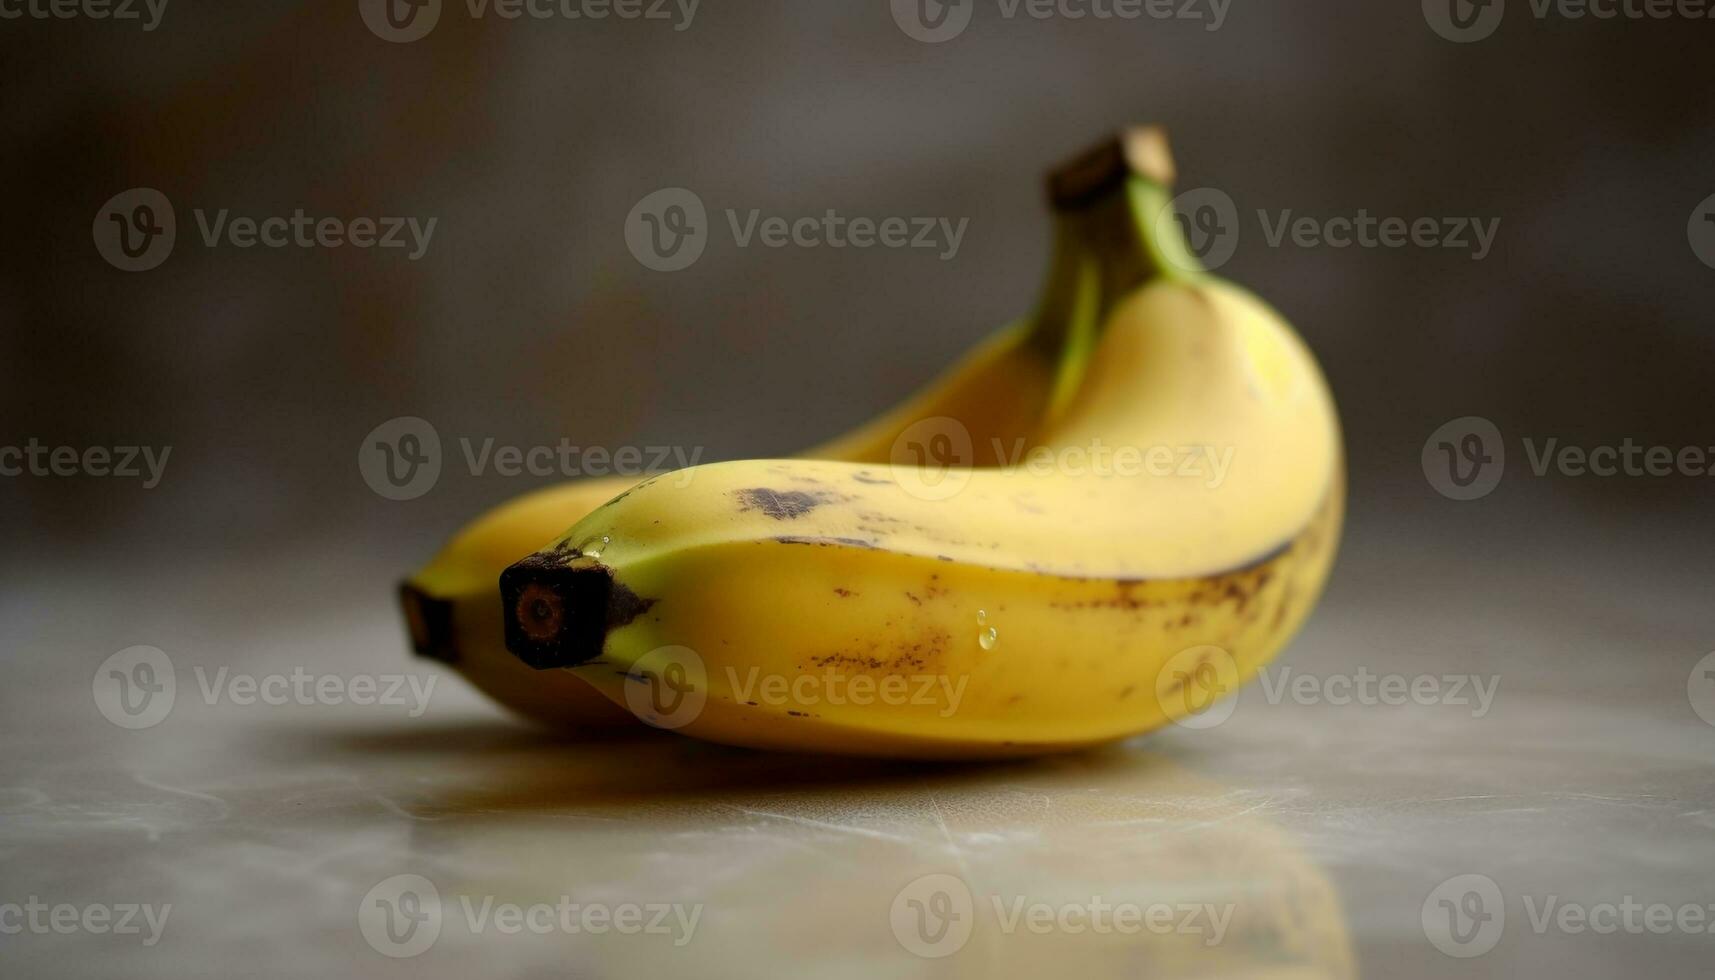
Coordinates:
(451, 614)
(1058, 601)
(999, 392)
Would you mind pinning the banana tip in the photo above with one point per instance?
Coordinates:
(429, 621)
(557, 611)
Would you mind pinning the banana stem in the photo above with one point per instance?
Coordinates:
(1115, 230)
(1104, 252)
(1159, 232)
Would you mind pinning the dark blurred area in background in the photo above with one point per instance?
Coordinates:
(528, 320)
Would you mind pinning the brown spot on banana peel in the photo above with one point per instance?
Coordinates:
(906, 658)
(782, 505)
(828, 542)
(1286, 597)
(646, 484)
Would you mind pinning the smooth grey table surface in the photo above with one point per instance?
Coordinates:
(1300, 837)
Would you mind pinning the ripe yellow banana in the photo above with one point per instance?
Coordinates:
(1049, 604)
(998, 393)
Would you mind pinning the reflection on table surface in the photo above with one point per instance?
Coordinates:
(649, 853)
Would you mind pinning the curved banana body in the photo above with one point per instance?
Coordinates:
(1048, 604)
(999, 393)
(996, 392)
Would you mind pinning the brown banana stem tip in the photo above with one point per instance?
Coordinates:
(1140, 150)
(559, 609)
(430, 623)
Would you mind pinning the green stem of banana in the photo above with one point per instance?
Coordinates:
(1105, 249)
(1159, 232)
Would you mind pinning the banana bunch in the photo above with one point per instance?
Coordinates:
(997, 394)
(1139, 542)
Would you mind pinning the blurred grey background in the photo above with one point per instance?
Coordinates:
(528, 320)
